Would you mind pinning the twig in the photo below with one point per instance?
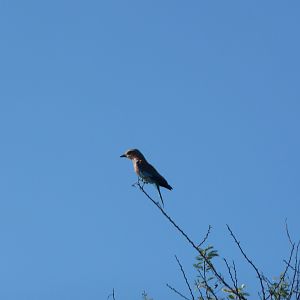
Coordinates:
(220, 278)
(208, 288)
(186, 281)
(249, 261)
(267, 282)
(298, 281)
(229, 271)
(178, 293)
(291, 267)
(199, 290)
(295, 272)
(206, 236)
(233, 279)
(235, 273)
(289, 261)
(112, 295)
(287, 232)
(286, 269)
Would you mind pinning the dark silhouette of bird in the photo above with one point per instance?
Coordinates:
(145, 171)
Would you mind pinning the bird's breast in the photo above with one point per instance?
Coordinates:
(136, 168)
(139, 170)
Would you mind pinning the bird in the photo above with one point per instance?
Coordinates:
(145, 171)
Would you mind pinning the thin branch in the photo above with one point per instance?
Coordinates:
(285, 271)
(199, 290)
(207, 286)
(291, 267)
(185, 278)
(229, 271)
(268, 283)
(295, 272)
(235, 273)
(206, 236)
(112, 295)
(220, 278)
(249, 261)
(298, 281)
(288, 264)
(233, 279)
(175, 291)
(287, 232)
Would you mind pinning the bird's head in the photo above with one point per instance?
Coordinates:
(133, 154)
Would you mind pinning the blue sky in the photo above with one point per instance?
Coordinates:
(208, 91)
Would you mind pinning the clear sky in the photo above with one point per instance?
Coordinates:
(207, 90)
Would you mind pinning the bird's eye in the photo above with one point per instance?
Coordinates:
(129, 152)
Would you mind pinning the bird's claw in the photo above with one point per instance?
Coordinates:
(139, 183)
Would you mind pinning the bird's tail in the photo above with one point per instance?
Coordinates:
(162, 201)
(169, 187)
(165, 185)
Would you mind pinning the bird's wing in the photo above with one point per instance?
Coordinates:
(151, 172)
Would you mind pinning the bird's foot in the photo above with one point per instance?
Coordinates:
(140, 183)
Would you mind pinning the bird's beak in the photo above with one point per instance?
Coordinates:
(123, 155)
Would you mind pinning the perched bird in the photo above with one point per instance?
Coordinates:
(145, 171)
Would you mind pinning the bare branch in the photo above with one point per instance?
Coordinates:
(288, 264)
(298, 281)
(285, 271)
(287, 232)
(206, 236)
(220, 278)
(112, 295)
(233, 278)
(235, 273)
(249, 261)
(208, 288)
(185, 278)
(295, 275)
(178, 293)
(199, 290)
(291, 267)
